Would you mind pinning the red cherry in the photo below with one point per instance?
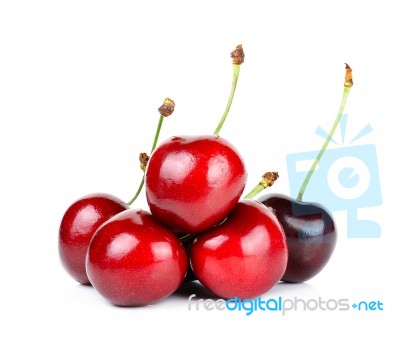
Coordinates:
(243, 257)
(133, 260)
(193, 182)
(80, 222)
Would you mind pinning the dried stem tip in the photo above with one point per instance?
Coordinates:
(268, 179)
(143, 159)
(167, 108)
(348, 79)
(238, 55)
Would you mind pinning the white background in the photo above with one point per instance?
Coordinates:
(80, 84)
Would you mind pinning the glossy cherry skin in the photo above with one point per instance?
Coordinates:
(193, 182)
(134, 261)
(243, 257)
(310, 232)
(79, 223)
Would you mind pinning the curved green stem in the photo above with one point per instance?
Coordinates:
(155, 140)
(346, 92)
(130, 202)
(236, 71)
(187, 237)
(254, 192)
(268, 179)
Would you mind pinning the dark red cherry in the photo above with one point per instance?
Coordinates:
(134, 261)
(80, 222)
(310, 232)
(193, 182)
(244, 256)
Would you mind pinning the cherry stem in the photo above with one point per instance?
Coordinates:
(346, 91)
(130, 202)
(268, 179)
(156, 136)
(236, 71)
(165, 110)
(237, 56)
(187, 237)
(155, 140)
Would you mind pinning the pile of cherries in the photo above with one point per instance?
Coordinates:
(198, 228)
